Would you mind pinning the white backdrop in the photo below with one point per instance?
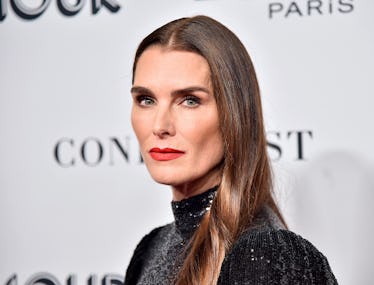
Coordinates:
(75, 198)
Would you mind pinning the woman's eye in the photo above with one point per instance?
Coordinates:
(191, 101)
(145, 100)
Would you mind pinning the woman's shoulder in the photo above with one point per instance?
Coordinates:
(141, 251)
(274, 243)
(152, 235)
(149, 238)
(268, 255)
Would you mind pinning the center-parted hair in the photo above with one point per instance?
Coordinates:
(246, 182)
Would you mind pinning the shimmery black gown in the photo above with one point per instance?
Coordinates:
(265, 254)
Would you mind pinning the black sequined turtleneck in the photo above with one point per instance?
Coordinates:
(189, 212)
(265, 254)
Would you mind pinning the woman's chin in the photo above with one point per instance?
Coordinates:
(166, 180)
(172, 178)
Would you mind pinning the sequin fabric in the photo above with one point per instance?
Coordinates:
(189, 212)
(265, 254)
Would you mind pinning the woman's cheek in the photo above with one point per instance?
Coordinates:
(141, 124)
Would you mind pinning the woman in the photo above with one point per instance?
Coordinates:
(198, 119)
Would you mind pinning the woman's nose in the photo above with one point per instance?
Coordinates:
(163, 125)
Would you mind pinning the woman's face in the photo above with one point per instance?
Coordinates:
(175, 118)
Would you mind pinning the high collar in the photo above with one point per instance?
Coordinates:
(189, 212)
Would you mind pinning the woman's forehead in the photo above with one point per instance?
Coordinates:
(159, 65)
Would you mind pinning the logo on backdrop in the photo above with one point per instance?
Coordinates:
(65, 7)
(305, 8)
(46, 278)
(290, 145)
(93, 151)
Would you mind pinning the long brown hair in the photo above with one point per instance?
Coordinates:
(246, 184)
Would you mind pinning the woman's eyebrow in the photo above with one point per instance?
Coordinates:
(142, 90)
(191, 89)
(187, 90)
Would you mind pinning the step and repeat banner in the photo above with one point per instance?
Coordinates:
(75, 197)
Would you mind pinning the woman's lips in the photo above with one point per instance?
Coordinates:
(165, 154)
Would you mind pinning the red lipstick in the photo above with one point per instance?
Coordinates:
(165, 154)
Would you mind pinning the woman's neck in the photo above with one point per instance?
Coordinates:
(198, 186)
